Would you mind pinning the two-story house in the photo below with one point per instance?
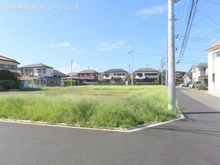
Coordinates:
(115, 76)
(214, 69)
(9, 64)
(38, 75)
(89, 76)
(200, 73)
(146, 75)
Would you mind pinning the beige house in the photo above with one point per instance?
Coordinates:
(9, 64)
(38, 75)
(214, 69)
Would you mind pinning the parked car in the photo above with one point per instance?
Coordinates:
(195, 84)
(186, 84)
(181, 85)
(191, 85)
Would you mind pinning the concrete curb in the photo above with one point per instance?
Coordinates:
(63, 125)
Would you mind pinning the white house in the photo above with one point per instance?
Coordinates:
(146, 75)
(115, 76)
(9, 64)
(187, 77)
(214, 69)
(199, 71)
(38, 75)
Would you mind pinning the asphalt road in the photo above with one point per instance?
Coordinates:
(192, 141)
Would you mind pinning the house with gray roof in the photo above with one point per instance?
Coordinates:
(38, 75)
(199, 72)
(10, 64)
(115, 76)
(57, 73)
(146, 75)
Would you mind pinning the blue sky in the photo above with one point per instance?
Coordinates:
(98, 33)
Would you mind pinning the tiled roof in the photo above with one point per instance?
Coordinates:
(39, 65)
(58, 72)
(3, 58)
(115, 71)
(87, 71)
(146, 70)
(214, 46)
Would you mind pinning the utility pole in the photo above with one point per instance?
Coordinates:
(162, 64)
(167, 63)
(129, 69)
(132, 79)
(71, 72)
(171, 56)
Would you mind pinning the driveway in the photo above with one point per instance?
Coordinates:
(192, 141)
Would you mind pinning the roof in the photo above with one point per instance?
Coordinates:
(189, 74)
(200, 65)
(58, 72)
(115, 71)
(3, 58)
(180, 71)
(39, 65)
(87, 71)
(146, 70)
(214, 46)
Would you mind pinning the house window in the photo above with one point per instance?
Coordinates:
(123, 74)
(8, 66)
(194, 70)
(91, 74)
(216, 54)
(213, 77)
(119, 74)
(139, 74)
(114, 74)
(106, 75)
(44, 70)
(203, 69)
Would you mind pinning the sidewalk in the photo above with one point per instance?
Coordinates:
(203, 97)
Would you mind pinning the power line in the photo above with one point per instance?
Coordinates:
(144, 54)
(208, 17)
(188, 28)
(182, 25)
(212, 2)
(194, 49)
(194, 38)
(205, 29)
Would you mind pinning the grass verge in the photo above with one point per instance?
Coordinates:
(141, 105)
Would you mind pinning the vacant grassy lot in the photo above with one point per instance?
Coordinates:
(89, 106)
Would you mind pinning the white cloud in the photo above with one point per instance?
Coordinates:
(75, 51)
(151, 11)
(104, 46)
(75, 68)
(64, 44)
(52, 45)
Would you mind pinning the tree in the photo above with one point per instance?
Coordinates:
(8, 80)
